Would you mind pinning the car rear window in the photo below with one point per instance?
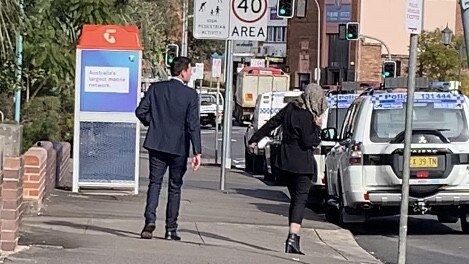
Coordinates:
(450, 121)
(336, 117)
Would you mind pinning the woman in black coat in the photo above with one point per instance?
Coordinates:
(301, 123)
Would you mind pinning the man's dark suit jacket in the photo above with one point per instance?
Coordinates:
(171, 110)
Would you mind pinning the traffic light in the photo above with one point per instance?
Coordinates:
(285, 8)
(352, 31)
(389, 69)
(172, 51)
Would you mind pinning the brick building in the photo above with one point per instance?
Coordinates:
(357, 60)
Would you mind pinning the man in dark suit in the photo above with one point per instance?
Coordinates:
(171, 111)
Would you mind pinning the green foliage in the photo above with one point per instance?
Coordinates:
(9, 25)
(51, 29)
(7, 75)
(437, 61)
(41, 120)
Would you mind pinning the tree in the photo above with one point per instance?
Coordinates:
(9, 25)
(202, 49)
(435, 60)
(51, 30)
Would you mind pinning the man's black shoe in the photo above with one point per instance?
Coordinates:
(147, 232)
(172, 235)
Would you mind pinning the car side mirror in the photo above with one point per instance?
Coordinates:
(329, 134)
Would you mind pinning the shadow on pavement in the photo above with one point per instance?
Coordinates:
(282, 210)
(121, 233)
(271, 195)
(218, 237)
(389, 226)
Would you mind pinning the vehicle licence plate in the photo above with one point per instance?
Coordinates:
(423, 162)
(203, 115)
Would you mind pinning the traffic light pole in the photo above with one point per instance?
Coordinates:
(318, 60)
(185, 26)
(380, 41)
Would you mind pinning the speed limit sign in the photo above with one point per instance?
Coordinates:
(248, 20)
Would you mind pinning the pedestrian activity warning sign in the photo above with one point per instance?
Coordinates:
(211, 19)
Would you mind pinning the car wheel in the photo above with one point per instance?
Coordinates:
(248, 161)
(257, 165)
(267, 175)
(447, 219)
(331, 214)
(341, 211)
(464, 223)
(316, 201)
(279, 180)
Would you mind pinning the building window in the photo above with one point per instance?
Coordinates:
(276, 34)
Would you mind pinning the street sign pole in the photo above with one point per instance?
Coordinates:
(230, 20)
(227, 113)
(407, 146)
(216, 73)
(217, 120)
(414, 21)
(465, 21)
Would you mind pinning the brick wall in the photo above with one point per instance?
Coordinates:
(35, 176)
(302, 45)
(459, 30)
(12, 200)
(51, 166)
(370, 62)
(44, 167)
(30, 178)
(64, 164)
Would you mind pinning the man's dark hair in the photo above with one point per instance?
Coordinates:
(179, 64)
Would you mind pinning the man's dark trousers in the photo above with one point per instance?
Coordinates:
(159, 163)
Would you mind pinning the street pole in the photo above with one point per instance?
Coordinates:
(185, 26)
(19, 66)
(227, 113)
(217, 120)
(459, 62)
(465, 22)
(318, 60)
(407, 147)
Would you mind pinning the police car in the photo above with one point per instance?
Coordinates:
(267, 106)
(364, 169)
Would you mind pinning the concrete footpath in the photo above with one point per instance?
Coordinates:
(245, 224)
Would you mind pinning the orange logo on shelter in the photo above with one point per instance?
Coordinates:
(110, 37)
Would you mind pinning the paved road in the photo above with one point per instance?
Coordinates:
(428, 241)
(208, 144)
(237, 144)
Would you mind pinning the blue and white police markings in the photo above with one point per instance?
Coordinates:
(340, 100)
(439, 100)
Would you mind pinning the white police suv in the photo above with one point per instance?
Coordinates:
(364, 168)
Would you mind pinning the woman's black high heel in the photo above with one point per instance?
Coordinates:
(293, 244)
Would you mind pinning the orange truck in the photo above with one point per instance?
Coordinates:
(252, 82)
